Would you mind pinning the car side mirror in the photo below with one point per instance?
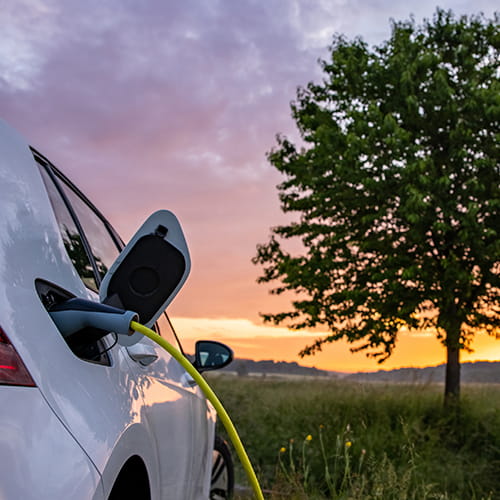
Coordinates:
(149, 272)
(211, 355)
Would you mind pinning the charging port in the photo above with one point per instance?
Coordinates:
(87, 344)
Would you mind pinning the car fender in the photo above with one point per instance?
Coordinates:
(135, 441)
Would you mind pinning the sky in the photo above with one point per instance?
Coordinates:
(174, 104)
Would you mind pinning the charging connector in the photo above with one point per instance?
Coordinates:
(76, 314)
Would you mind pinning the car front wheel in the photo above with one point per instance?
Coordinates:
(222, 483)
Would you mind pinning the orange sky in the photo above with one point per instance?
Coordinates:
(249, 340)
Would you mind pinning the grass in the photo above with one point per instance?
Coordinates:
(323, 439)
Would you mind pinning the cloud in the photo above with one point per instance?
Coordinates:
(174, 105)
(235, 327)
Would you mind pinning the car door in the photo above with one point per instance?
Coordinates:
(203, 417)
(178, 413)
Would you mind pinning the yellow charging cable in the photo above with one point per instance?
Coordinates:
(212, 397)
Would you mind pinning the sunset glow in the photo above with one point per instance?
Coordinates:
(150, 105)
(258, 342)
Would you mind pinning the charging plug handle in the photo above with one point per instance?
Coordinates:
(76, 314)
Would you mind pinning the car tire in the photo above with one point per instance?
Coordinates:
(222, 480)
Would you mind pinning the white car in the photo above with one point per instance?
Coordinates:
(88, 415)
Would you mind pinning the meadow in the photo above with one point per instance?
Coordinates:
(328, 439)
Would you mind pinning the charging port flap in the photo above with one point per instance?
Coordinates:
(150, 270)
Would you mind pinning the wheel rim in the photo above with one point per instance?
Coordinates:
(220, 478)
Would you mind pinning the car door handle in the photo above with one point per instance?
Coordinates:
(187, 380)
(142, 353)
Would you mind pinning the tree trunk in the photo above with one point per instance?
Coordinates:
(452, 382)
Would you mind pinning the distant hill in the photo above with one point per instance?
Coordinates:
(484, 372)
(249, 366)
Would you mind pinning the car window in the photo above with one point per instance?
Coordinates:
(166, 330)
(70, 234)
(103, 246)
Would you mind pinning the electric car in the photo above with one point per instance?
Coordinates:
(88, 413)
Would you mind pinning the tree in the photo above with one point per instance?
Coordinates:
(396, 193)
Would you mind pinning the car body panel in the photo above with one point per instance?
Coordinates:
(30, 472)
(96, 403)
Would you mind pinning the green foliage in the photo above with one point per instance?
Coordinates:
(396, 189)
(331, 439)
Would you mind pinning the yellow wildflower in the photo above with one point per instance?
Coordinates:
(348, 444)
(309, 437)
(282, 449)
